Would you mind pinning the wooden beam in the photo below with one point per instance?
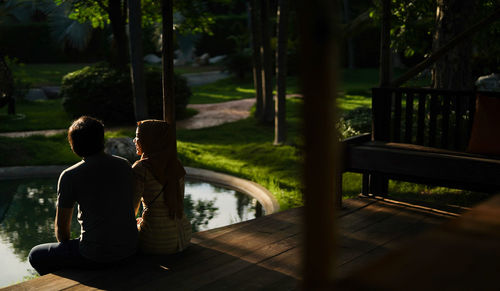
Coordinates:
(320, 36)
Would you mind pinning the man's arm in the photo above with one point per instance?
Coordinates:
(63, 223)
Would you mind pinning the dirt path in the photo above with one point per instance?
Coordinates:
(210, 115)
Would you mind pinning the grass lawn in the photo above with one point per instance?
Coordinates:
(242, 148)
(35, 115)
(37, 75)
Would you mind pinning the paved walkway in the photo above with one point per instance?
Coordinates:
(209, 115)
(197, 79)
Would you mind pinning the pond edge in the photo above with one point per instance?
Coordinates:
(264, 196)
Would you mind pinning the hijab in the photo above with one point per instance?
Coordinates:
(159, 155)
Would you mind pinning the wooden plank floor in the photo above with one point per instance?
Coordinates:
(256, 254)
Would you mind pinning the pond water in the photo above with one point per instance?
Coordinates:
(27, 209)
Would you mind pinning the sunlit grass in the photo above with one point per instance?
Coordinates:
(242, 148)
(35, 115)
(350, 102)
(45, 74)
(223, 90)
(35, 151)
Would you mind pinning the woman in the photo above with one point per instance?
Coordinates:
(159, 183)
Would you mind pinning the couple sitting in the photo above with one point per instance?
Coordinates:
(108, 193)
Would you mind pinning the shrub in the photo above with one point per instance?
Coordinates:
(239, 63)
(106, 93)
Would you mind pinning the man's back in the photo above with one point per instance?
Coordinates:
(102, 186)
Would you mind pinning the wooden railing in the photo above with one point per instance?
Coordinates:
(428, 120)
(429, 117)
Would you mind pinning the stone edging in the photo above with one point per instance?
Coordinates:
(255, 190)
(7, 173)
(265, 198)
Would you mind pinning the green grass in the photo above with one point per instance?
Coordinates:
(38, 75)
(223, 90)
(36, 150)
(242, 148)
(35, 115)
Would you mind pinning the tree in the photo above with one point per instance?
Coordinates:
(6, 86)
(280, 104)
(385, 49)
(254, 7)
(167, 56)
(114, 13)
(136, 61)
(453, 70)
(101, 13)
(461, 37)
(267, 87)
(350, 44)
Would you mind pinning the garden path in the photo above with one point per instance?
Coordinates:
(208, 115)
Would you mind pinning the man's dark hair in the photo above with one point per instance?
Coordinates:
(86, 136)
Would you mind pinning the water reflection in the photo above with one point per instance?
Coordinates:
(27, 210)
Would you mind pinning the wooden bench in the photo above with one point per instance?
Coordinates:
(421, 135)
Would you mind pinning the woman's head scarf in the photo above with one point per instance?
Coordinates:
(159, 155)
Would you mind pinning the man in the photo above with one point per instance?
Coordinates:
(101, 185)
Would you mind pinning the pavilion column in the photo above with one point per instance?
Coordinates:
(320, 37)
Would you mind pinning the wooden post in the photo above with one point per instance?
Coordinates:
(380, 103)
(167, 56)
(320, 37)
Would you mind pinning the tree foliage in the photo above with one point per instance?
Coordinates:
(191, 15)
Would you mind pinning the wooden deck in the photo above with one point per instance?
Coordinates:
(462, 254)
(256, 254)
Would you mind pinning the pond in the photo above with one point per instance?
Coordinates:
(27, 209)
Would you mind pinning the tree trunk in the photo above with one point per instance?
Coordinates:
(385, 44)
(349, 42)
(167, 56)
(436, 55)
(117, 12)
(280, 110)
(453, 70)
(6, 86)
(320, 37)
(267, 87)
(254, 7)
(136, 61)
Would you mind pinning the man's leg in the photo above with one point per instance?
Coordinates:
(50, 257)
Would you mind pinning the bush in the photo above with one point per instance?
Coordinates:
(239, 63)
(106, 93)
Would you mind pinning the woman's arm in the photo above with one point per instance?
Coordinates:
(139, 177)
